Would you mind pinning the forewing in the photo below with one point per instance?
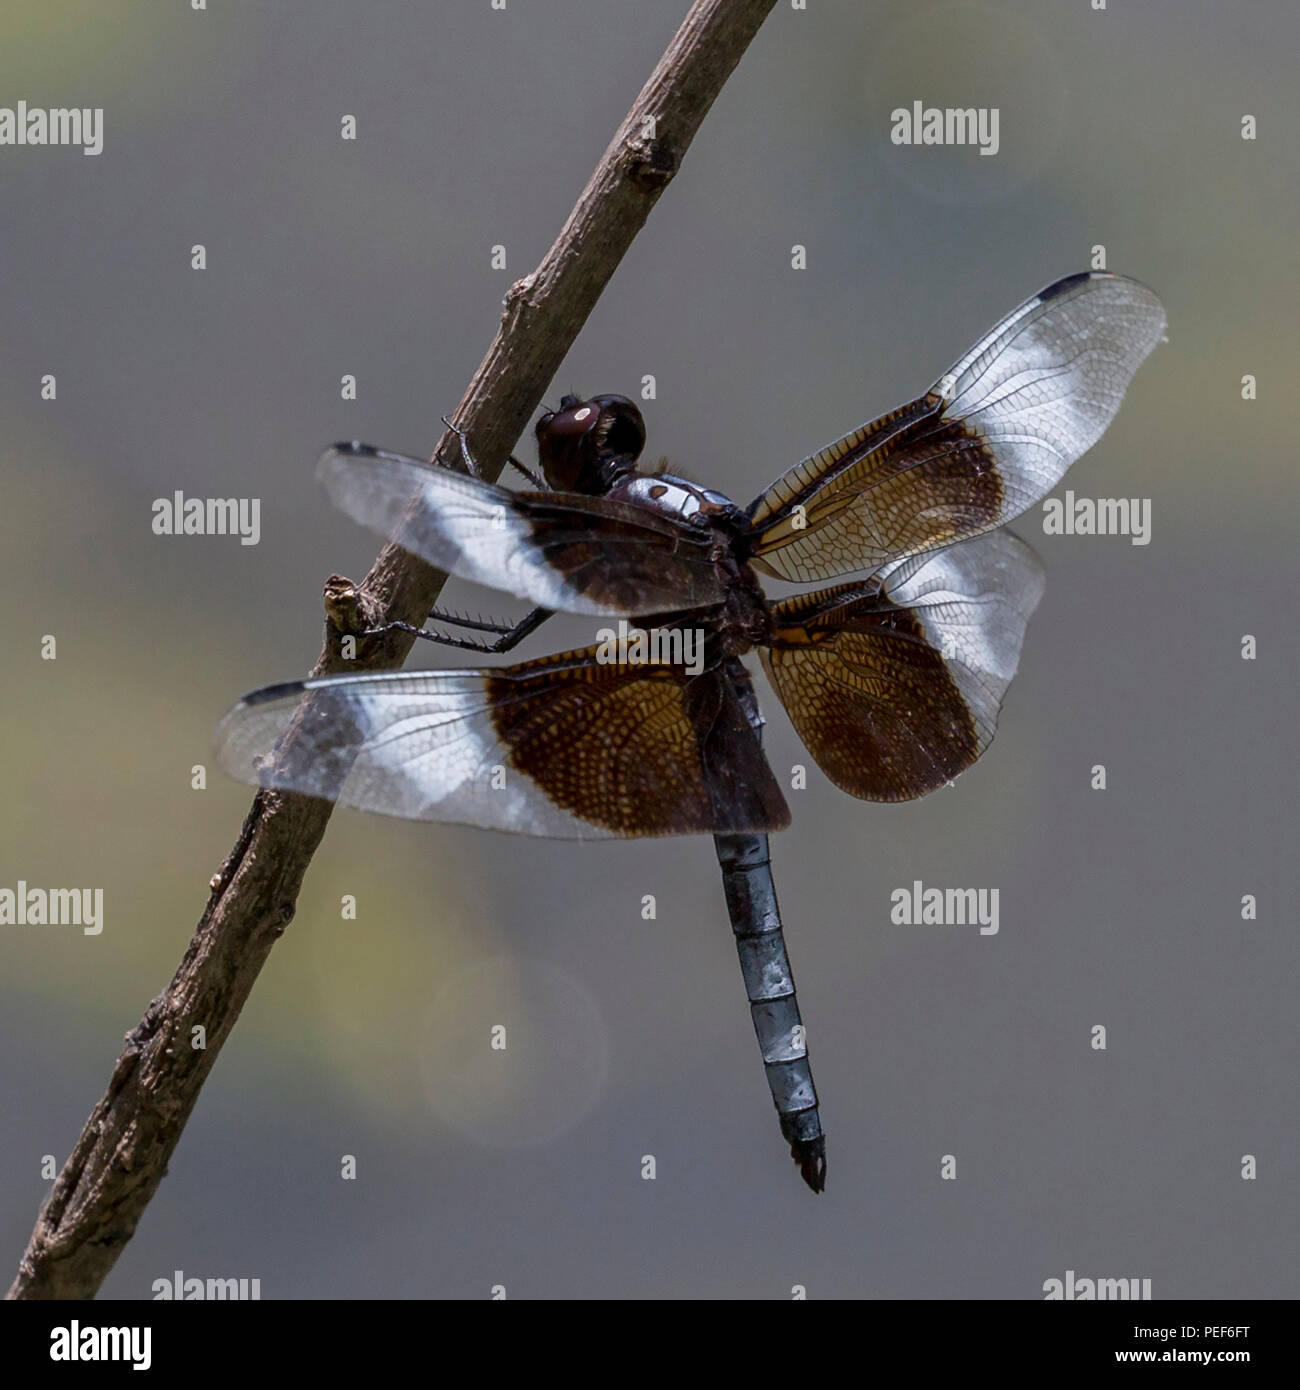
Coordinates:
(894, 685)
(566, 552)
(567, 747)
(993, 436)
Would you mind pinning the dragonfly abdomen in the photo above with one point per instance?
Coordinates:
(756, 920)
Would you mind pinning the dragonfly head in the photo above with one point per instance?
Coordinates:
(586, 445)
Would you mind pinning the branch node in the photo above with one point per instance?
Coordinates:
(345, 605)
(650, 164)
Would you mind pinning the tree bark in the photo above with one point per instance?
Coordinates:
(122, 1154)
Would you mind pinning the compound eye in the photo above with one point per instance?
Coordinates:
(572, 423)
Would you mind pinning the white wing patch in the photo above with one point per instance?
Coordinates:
(1044, 384)
(491, 536)
(420, 745)
(974, 601)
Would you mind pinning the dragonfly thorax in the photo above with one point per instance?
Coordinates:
(678, 497)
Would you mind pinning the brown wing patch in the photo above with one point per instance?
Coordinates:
(909, 481)
(645, 750)
(625, 558)
(868, 694)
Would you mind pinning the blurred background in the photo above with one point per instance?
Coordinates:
(1122, 908)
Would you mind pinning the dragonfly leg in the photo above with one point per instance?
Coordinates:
(535, 478)
(389, 628)
(455, 620)
(470, 465)
(523, 628)
(473, 468)
(510, 637)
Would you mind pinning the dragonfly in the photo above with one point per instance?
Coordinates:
(893, 677)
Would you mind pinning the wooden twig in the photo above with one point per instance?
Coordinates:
(124, 1149)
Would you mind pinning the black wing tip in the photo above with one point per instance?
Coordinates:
(353, 447)
(273, 692)
(1070, 282)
